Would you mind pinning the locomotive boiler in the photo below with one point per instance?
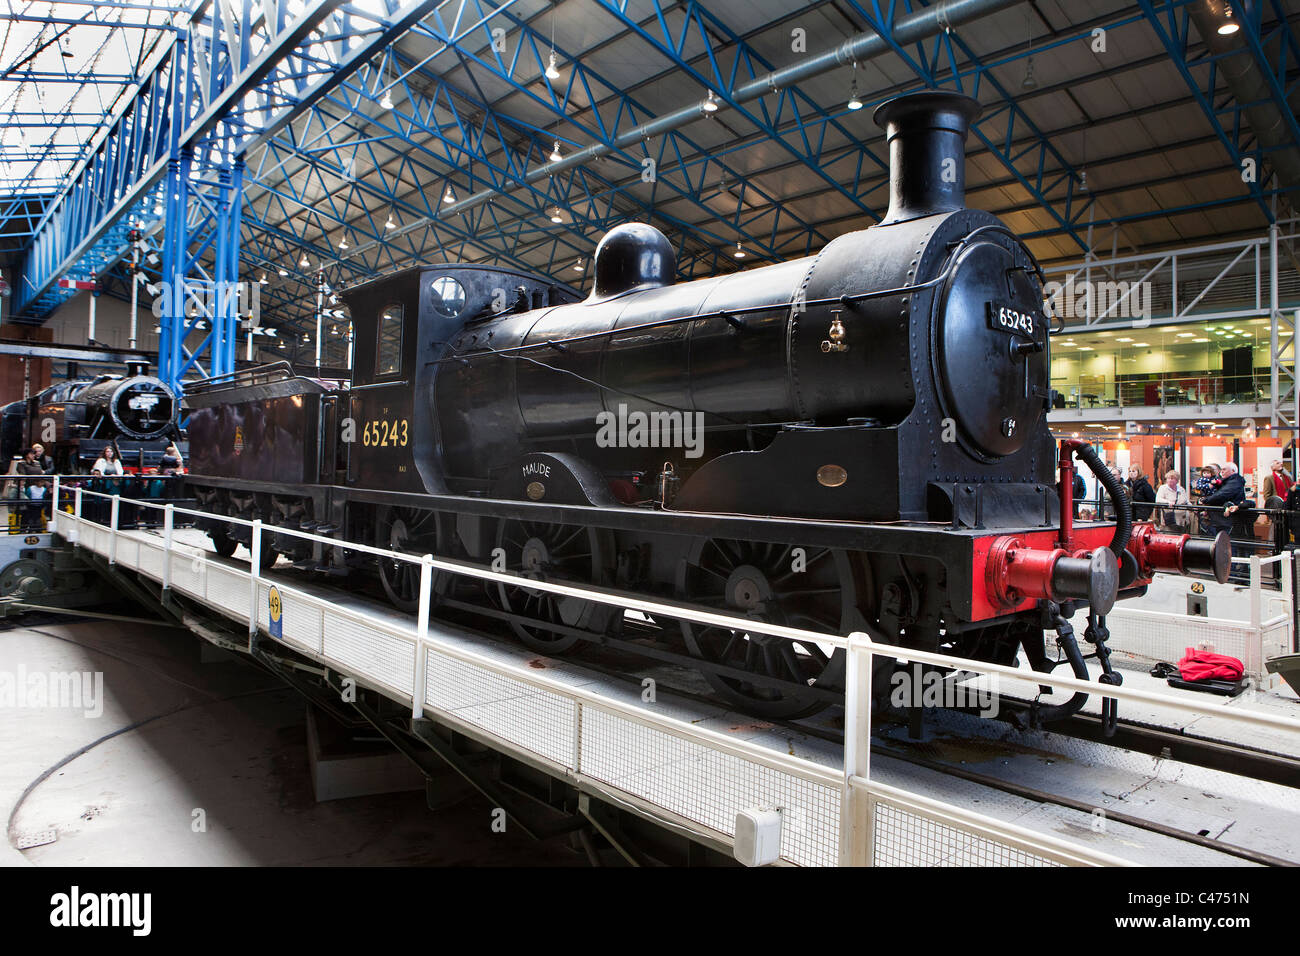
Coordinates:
(920, 341)
(853, 441)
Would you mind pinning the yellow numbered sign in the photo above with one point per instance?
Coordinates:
(275, 611)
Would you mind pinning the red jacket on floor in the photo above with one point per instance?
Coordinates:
(1202, 665)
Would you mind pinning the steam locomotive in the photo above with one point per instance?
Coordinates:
(856, 440)
(74, 420)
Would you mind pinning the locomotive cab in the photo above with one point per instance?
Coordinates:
(403, 325)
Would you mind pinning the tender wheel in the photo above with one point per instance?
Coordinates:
(410, 531)
(222, 543)
(815, 590)
(269, 554)
(552, 552)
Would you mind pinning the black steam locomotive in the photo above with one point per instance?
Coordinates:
(852, 441)
(74, 420)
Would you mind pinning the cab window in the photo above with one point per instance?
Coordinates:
(388, 359)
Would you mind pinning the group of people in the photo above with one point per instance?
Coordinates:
(1139, 489)
(34, 487)
(34, 464)
(1219, 489)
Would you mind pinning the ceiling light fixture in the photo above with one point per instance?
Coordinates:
(1229, 26)
(391, 224)
(556, 216)
(577, 266)
(740, 252)
(855, 101)
(262, 281)
(388, 94)
(552, 72)
(710, 104)
(449, 195)
(284, 272)
(555, 152)
(306, 263)
(1029, 83)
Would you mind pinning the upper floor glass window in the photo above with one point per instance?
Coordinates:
(388, 356)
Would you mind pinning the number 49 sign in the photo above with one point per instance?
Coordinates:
(275, 613)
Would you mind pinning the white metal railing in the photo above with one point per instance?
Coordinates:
(667, 766)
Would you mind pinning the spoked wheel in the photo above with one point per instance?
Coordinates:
(411, 531)
(552, 552)
(810, 588)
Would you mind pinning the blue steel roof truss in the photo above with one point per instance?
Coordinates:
(298, 99)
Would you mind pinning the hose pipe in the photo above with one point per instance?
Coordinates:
(1040, 715)
(1114, 488)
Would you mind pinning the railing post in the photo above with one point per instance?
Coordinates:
(169, 518)
(1255, 648)
(1288, 596)
(112, 524)
(1291, 567)
(76, 513)
(1256, 580)
(856, 824)
(422, 634)
(54, 507)
(255, 571)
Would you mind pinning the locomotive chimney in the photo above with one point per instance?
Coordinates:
(927, 152)
(136, 368)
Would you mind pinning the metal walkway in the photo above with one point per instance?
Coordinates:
(689, 767)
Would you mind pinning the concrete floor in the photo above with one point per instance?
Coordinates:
(176, 736)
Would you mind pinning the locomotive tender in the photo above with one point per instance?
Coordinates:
(874, 456)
